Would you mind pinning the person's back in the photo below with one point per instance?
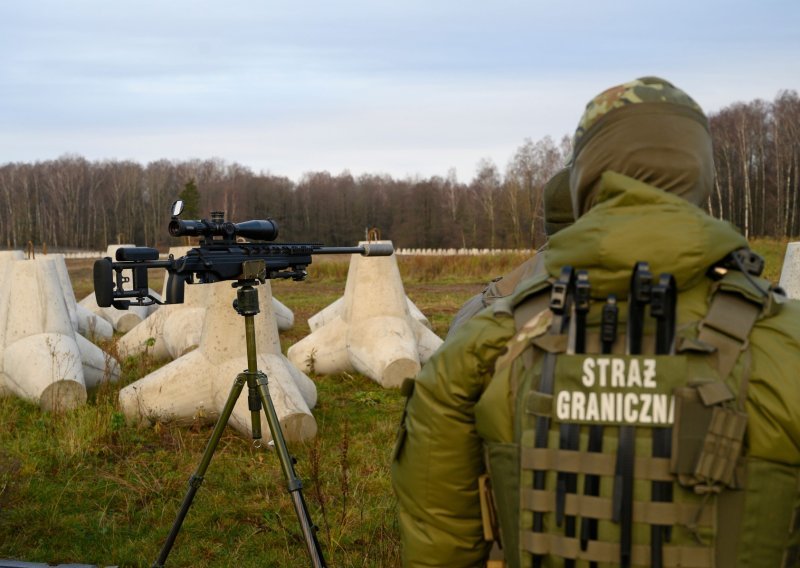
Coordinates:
(693, 496)
(747, 369)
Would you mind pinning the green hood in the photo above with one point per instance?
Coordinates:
(633, 221)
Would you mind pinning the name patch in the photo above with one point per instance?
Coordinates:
(626, 390)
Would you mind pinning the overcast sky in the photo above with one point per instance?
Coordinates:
(405, 88)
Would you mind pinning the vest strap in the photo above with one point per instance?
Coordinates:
(591, 463)
(608, 553)
(727, 325)
(649, 512)
(529, 308)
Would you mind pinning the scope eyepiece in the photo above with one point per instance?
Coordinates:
(181, 228)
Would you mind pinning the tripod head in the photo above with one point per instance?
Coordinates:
(219, 257)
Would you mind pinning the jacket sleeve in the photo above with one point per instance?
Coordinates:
(773, 393)
(439, 455)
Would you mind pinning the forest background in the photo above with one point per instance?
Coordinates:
(71, 202)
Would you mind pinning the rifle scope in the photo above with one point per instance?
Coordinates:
(261, 229)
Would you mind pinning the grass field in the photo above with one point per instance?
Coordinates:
(86, 487)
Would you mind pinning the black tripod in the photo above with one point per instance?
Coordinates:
(246, 304)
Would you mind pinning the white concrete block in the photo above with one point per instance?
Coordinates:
(334, 310)
(91, 325)
(121, 320)
(43, 358)
(197, 384)
(326, 315)
(46, 368)
(98, 366)
(790, 273)
(284, 317)
(373, 329)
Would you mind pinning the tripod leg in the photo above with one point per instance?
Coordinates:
(293, 482)
(197, 477)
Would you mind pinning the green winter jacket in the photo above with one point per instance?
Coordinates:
(451, 416)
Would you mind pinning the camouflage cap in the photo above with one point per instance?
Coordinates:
(642, 90)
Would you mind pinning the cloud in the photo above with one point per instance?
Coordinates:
(402, 88)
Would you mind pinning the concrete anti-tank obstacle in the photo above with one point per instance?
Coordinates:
(284, 317)
(42, 357)
(87, 323)
(373, 329)
(334, 310)
(197, 384)
(97, 365)
(790, 273)
(175, 329)
(171, 331)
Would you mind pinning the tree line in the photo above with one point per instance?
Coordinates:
(71, 202)
(757, 158)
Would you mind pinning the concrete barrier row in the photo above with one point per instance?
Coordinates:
(458, 252)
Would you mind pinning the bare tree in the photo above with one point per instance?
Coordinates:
(529, 169)
(486, 187)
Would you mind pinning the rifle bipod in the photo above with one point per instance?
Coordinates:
(246, 305)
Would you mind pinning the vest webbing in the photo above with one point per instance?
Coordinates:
(543, 544)
(561, 305)
(726, 327)
(650, 512)
(592, 463)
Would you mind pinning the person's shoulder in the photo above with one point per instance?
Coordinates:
(537, 283)
(506, 285)
(481, 336)
(783, 317)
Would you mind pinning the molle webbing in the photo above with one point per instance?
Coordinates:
(650, 512)
(639, 296)
(592, 463)
(591, 484)
(723, 336)
(567, 483)
(561, 306)
(662, 307)
(541, 544)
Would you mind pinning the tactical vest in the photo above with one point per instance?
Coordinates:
(635, 457)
